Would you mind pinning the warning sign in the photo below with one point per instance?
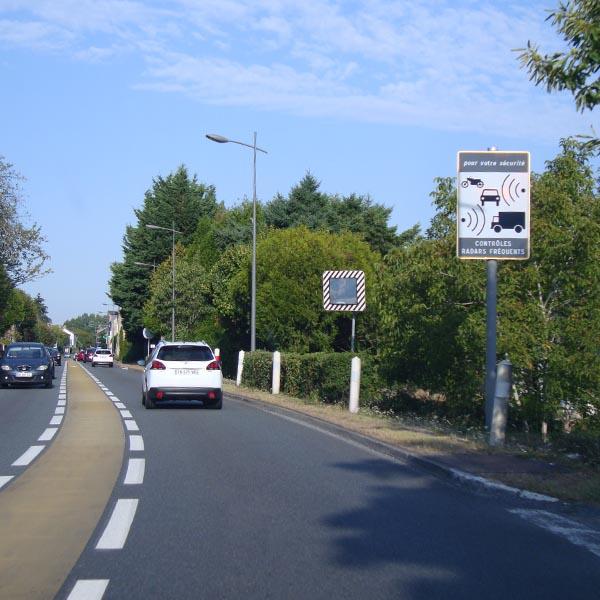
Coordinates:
(493, 214)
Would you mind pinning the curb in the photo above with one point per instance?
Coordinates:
(398, 452)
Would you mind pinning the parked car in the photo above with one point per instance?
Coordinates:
(88, 354)
(102, 357)
(182, 372)
(26, 363)
(55, 354)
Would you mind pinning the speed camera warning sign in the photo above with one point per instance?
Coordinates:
(493, 215)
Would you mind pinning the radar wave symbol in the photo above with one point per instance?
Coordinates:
(475, 220)
(512, 190)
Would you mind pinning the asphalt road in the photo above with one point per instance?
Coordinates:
(252, 503)
(25, 413)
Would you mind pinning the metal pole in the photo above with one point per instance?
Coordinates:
(490, 355)
(352, 337)
(253, 308)
(173, 295)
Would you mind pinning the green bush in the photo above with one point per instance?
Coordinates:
(320, 376)
(582, 441)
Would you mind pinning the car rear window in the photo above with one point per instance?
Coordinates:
(102, 351)
(24, 352)
(181, 353)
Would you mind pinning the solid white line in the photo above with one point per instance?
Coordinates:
(575, 532)
(60, 410)
(119, 404)
(61, 403)
(4, 479)
(126, 414)
(88, 589)
(136, 443)
(135, 471)
(117, 529)
(28, 456)
(57, 420)
(48, 434)
(131, 425)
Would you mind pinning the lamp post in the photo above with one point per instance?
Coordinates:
(173, 231)
(223, 140)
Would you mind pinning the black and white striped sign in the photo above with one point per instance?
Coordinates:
(344, 291)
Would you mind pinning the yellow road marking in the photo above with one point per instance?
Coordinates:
(48, 514)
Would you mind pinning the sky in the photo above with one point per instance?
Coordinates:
(373, 97)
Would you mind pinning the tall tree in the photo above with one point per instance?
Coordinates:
(21, 251)
(177, 201)
(307, 206)
(576, 70)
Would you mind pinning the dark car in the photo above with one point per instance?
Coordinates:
(88, 354)
(55, 354)
(26, 363)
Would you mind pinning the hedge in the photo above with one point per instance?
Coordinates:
(320, 376)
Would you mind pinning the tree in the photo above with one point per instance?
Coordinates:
(289, 302)
(176, 201)
(42, 309)
(576, 69)
(21, 252)
(84, 327)
(306, 205)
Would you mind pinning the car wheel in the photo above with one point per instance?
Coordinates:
(217, 405)
(111, 365)
(143, 398)
(150, 404)
(93, 364)
(48, 384)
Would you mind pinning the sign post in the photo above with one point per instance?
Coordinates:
(345, 291)
(493, 223)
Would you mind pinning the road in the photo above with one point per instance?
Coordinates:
(252, 502)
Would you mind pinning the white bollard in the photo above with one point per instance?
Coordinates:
(276, 371)
(238, 380)
(354, 385)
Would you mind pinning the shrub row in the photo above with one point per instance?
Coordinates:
(320, 376)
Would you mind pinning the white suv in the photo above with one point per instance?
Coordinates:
(102, 357)
(182, 371)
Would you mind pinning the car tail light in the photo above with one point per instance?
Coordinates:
(157, 365)
(160, 395)
(211, 395)
(213, 366)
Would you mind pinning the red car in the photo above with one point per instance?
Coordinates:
(79, 356)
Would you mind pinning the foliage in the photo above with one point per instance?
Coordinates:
(432, 306)
(289, 300)
(21, 252)
(84, 327)
(176, 201)
(306, 206)
(319, 376)
(576, 69)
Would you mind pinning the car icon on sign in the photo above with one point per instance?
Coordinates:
(490, 195)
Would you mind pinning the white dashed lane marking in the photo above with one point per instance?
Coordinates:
(116, 531)
(60, 410)
(56, 420)
(135, 471)
(4, 479)
(126, 414)
(136, 443)
(131, 425)
(48, 434)
(28, 456)
(88, 589)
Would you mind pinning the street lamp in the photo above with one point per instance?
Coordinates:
(173, 231)
(223, 140)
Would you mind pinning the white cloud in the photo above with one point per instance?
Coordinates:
(425, 62)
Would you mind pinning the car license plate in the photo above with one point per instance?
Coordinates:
(23, 374)
(187, 372)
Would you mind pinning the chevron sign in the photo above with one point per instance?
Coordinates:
(344, 291)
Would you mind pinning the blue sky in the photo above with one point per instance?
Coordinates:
(373, 97)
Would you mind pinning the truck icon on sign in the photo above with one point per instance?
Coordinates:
(508, 220)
